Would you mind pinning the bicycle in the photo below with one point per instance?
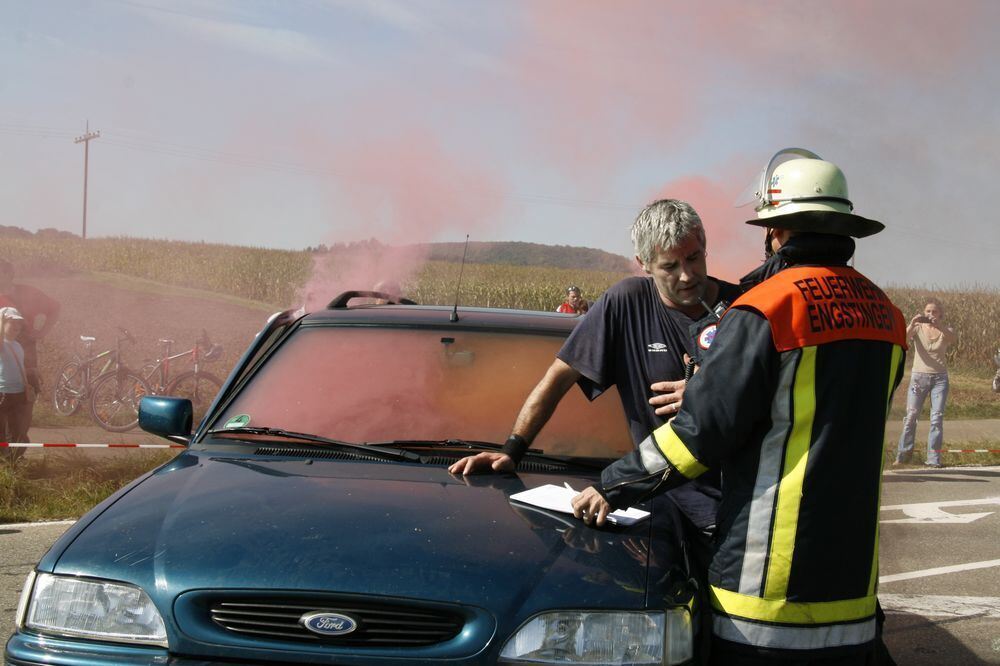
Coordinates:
(114, 400)
(76, 378)
(197, 385)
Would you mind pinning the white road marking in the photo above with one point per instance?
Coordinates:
(950, 468)
(936, 571)
(929, 605)
(931, 512)
(18, 526)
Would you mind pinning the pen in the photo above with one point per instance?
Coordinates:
(568, 487)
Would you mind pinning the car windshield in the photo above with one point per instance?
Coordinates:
(380, 384)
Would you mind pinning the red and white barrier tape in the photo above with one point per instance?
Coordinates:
(68, 445)
(970, 451)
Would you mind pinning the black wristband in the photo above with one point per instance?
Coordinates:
(515, 446)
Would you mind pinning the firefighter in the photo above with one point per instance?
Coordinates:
(790, 405)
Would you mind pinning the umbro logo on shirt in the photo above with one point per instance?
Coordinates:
(657, 347)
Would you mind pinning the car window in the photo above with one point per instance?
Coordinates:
(370, 384)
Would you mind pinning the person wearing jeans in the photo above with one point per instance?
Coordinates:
(929, 339)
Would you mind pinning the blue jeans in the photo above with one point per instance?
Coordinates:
(922, 383)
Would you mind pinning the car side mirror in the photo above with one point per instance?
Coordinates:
(166, 417)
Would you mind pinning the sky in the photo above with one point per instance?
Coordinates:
(289, 124)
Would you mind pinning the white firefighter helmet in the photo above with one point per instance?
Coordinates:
(799, 190)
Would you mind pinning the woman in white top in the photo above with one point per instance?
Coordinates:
(929, 339)
(12, 378)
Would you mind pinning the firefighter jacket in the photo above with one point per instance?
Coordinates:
(790, 404)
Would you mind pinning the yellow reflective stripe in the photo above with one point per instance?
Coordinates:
(786, 514)
(897, 358)
(676, 453)
(791, 612)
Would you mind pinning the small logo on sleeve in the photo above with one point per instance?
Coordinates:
(657, 347)
(706, 336)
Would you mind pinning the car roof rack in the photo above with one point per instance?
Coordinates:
(341, 301)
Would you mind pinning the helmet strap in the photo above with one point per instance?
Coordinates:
(768, 250)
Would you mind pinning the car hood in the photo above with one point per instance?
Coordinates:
(221, 521)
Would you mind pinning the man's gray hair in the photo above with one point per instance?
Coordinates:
(666, 224)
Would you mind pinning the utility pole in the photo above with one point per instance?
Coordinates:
(85, 140)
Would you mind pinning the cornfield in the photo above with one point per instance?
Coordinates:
(269, 276)
(974, 314)
(500, 286)
(277, 277)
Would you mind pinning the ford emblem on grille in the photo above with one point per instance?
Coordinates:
(328, 624)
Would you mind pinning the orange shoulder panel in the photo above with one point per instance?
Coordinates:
(814, 305)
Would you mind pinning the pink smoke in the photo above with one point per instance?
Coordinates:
(607, 84)
(402, 187)
(734, 248)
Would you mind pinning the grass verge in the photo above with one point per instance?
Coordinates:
(162, 289)
(970, 396)
(950, 459)
(57, 485)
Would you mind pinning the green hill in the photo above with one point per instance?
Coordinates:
(531, 254)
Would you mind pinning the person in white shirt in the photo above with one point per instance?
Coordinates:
(12, 378)
(929, 338)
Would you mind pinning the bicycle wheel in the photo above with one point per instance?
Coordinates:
(70, 389)
(114, 400)
(200, 388)
(150, 372)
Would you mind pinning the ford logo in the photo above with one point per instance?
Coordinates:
(328, 624)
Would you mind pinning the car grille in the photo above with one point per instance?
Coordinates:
(379, 624)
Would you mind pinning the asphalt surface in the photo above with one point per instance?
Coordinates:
(940, 565)
(948, 612)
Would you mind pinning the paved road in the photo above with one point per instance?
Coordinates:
(940, 565)
(955, 432)
(92, 434)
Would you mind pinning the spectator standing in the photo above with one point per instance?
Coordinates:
(39, 313)
(930, 339)
(13, 383)
(575, 303)
(996, 377)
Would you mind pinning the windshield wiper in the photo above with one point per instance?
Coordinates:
(476, 445)
(369, 449)
(469, 444)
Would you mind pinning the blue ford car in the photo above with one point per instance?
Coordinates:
(312, 518)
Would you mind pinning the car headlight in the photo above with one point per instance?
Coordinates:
(95, 609)
(604, 637)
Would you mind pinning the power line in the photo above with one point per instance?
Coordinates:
(236, 159)
(139, 141)
(148, 144)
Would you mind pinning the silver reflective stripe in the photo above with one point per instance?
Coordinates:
(793, 638)
(652, 458)
(768, 474)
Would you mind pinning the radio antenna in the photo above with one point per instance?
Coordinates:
(458, 289)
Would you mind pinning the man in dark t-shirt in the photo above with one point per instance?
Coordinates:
(40, 313)
(636, 337)
(630, 340)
